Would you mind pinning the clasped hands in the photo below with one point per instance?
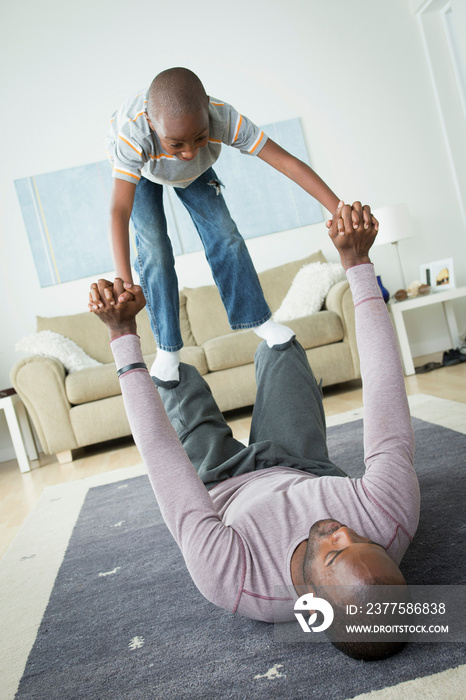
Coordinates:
(353, 230)
(116, 304)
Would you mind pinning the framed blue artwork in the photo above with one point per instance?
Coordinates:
(66, 218)
(66, 212)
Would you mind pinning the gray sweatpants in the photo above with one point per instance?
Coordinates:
(288, 421)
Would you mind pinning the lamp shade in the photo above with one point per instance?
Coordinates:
(395, 224)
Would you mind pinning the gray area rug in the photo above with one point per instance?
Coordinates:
(125, 622)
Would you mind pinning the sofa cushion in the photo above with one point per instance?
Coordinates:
(277, 281)
(205, 310)
(98, 421)
(206, 313)
(97, 383)
(316, 330)
(238, 348)
(51, 344)
(192, 355)
(309, 290)
(185, 328)
(92, 384)
(231, 350)
(87, 331)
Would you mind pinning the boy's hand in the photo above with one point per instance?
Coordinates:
(353, 244)
(354, 216)
(116, 305)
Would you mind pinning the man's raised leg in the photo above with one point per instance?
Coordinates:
(201, 427)
(288, 408)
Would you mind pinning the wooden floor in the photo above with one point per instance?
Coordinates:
(19, 492)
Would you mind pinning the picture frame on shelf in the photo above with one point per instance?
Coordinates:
(439, 275)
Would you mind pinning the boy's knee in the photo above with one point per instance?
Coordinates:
(157, 259)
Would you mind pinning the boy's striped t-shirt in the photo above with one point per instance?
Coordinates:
(135, 150)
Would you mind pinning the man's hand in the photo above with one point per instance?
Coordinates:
(116, 305)
(353, 243)
(355, 218)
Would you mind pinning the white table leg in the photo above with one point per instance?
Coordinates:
(452, 325)
(403, 341)
(25, 427)
(16, 437)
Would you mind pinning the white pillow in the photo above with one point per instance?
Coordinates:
(52, 344)
(308, 290)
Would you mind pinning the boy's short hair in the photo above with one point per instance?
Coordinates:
(176, 92)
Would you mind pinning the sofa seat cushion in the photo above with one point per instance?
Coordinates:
(101, 382)
(231, 350)
(192, 355)
(238, 348)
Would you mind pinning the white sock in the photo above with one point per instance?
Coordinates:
(166, 366)
(274, 333)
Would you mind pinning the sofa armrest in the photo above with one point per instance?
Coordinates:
(340, 300)
(40, 383)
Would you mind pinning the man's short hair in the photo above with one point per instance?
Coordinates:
(176, 92)
(364, 644)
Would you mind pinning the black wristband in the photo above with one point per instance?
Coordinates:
(127, 368)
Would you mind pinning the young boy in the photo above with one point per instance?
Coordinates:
(172, 135)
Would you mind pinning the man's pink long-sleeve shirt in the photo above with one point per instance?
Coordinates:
(238, 538)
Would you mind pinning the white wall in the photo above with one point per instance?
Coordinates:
(354, 72)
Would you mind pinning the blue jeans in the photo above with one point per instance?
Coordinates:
(225, 250)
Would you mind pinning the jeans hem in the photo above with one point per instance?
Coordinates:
(169, 348)
(253, 324)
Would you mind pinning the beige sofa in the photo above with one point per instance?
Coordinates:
(85, 407)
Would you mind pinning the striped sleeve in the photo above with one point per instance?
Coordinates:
(124, 147)
(126, 157)
(242, 133)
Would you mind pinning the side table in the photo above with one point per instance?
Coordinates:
(397, 309)
(20, 430)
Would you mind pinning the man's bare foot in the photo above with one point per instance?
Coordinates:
(116, 305)
(353, 244)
